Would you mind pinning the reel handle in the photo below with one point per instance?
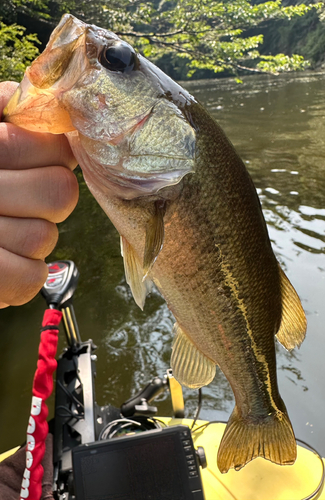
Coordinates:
(58, 292)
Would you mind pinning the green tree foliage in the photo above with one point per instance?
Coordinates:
(16, 51)
(214, 35)
(304, 35)
(191, 35)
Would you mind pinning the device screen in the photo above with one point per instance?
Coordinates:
(140, 470)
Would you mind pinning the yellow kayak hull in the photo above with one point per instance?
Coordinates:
(258, 480)
(7, 454)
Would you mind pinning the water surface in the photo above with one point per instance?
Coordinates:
(277, 125)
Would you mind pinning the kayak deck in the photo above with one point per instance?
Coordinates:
(258, 480)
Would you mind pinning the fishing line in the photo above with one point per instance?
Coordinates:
(209, 423)
(198, 409)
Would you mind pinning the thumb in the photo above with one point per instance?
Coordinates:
(6, 91)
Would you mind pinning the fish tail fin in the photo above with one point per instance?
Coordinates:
(271, 438)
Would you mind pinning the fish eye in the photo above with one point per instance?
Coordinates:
(119, 57)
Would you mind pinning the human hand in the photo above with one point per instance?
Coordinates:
(37, 190)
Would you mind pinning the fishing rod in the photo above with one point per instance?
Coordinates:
(83, 431)
(58, 291)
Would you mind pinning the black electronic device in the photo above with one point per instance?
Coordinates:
(160, 464)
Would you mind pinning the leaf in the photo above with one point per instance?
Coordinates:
(17, 51)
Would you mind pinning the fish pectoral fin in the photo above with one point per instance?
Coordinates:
(293, 324)
(190, 366)
(271, 437)
(154, 236)
(134, 273)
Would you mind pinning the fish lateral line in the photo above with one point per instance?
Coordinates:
(233, 285)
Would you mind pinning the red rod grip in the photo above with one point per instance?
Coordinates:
(37, 429)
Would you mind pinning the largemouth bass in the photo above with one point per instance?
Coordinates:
(189, 218)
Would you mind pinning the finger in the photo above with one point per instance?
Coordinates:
(21, 278)
(49, 193)
(20, 148)
(32, 238)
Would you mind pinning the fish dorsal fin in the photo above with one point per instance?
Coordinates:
(134, 273)
(190, 366)
(154, 236)
(293, 324)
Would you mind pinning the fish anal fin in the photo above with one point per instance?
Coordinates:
(190, 366)
(271, 438)
(134, 273)
(154, 236)
(293, 324)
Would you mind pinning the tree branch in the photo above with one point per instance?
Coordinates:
(160, 35)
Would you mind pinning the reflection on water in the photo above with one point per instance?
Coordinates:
(277, 125)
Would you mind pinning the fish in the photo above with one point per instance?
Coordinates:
(189, 219)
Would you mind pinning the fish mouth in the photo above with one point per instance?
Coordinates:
(35, 105)
(50, 66)
(129, 148)
(37, 110)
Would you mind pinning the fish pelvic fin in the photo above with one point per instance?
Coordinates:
(134, 273)
(293, 324)
(271, 437)
(190, 366)
(155, 232)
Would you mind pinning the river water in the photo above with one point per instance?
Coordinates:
(277, 125)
